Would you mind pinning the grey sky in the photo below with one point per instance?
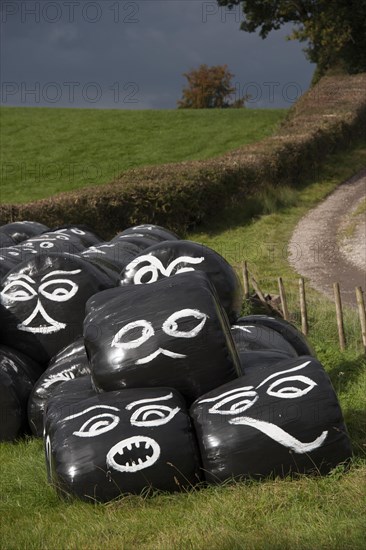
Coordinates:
(131, 54)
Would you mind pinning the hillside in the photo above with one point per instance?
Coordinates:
(46, 151)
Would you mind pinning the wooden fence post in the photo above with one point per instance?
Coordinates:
(362, 314)
(303, 309)
(283, 297)
(339, 313)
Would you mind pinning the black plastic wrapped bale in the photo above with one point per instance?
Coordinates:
(249, 337)
(6, 263)
(172, 333)
(67, 395)
(18, 374)
(275, 420)
(51, 243)
(43, 303)
(141, 240)
(174, 257)
(6, 240)
(120, 442)
(12, 254)
(21, 231)
(83, 233)
(112, 256)
(260, 358)
(286, 329)
(156, 231)
(68, 364)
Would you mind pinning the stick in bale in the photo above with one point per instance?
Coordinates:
(281, 288)
(260, 293)
(246, 280)
(339, 313)
(362, 314)
(303, 308)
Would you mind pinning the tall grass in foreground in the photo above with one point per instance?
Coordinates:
(305, 512)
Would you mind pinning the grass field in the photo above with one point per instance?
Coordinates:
(46, 151)
(304, 513)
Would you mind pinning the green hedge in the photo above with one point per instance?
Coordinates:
(330, 117)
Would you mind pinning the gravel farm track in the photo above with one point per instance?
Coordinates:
(322, 250)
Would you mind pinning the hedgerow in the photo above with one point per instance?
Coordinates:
(329, 117)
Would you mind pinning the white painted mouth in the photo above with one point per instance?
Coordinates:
(147, 448)
(52, 325)
(279, 435)
(158, 352)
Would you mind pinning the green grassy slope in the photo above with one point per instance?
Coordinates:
(304, 513)
(45, 151)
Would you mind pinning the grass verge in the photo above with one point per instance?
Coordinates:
(354, 219)
(306, 512)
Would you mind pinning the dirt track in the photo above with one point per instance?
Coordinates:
(319, 250)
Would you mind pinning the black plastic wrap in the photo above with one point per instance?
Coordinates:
(171, 333)
(18, 374)
(155, 231)
(173, 257)
(68, 364)
(43, 303)
(275, 420)
(286, 329)
(100, 447)
(21, 231)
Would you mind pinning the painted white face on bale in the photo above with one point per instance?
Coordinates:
(235, 402)
(126, 338)
(44, 243)
(74, 230)
(148, 448)
(149, 272)
(136, 452)
(147, 413)
(55, 286)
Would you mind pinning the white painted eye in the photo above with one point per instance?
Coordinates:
(46, 244)
(18, 291)
(153, 415)
(62, 237)
(133, 335)
(302, 386)
(63, 290)
(29, 248)
(148, 273)
(184, 317)
(77, 231)
(174, 269)
(233, 402)
(99, 424)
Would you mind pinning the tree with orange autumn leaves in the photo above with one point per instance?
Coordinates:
(210, 88)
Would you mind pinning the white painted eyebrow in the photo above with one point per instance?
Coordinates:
(237, 390)
(26, 277)
(302, 366)
(72, 416)
(152, 400)
(61, 273)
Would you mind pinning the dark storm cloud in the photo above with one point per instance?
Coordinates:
(131, 54)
